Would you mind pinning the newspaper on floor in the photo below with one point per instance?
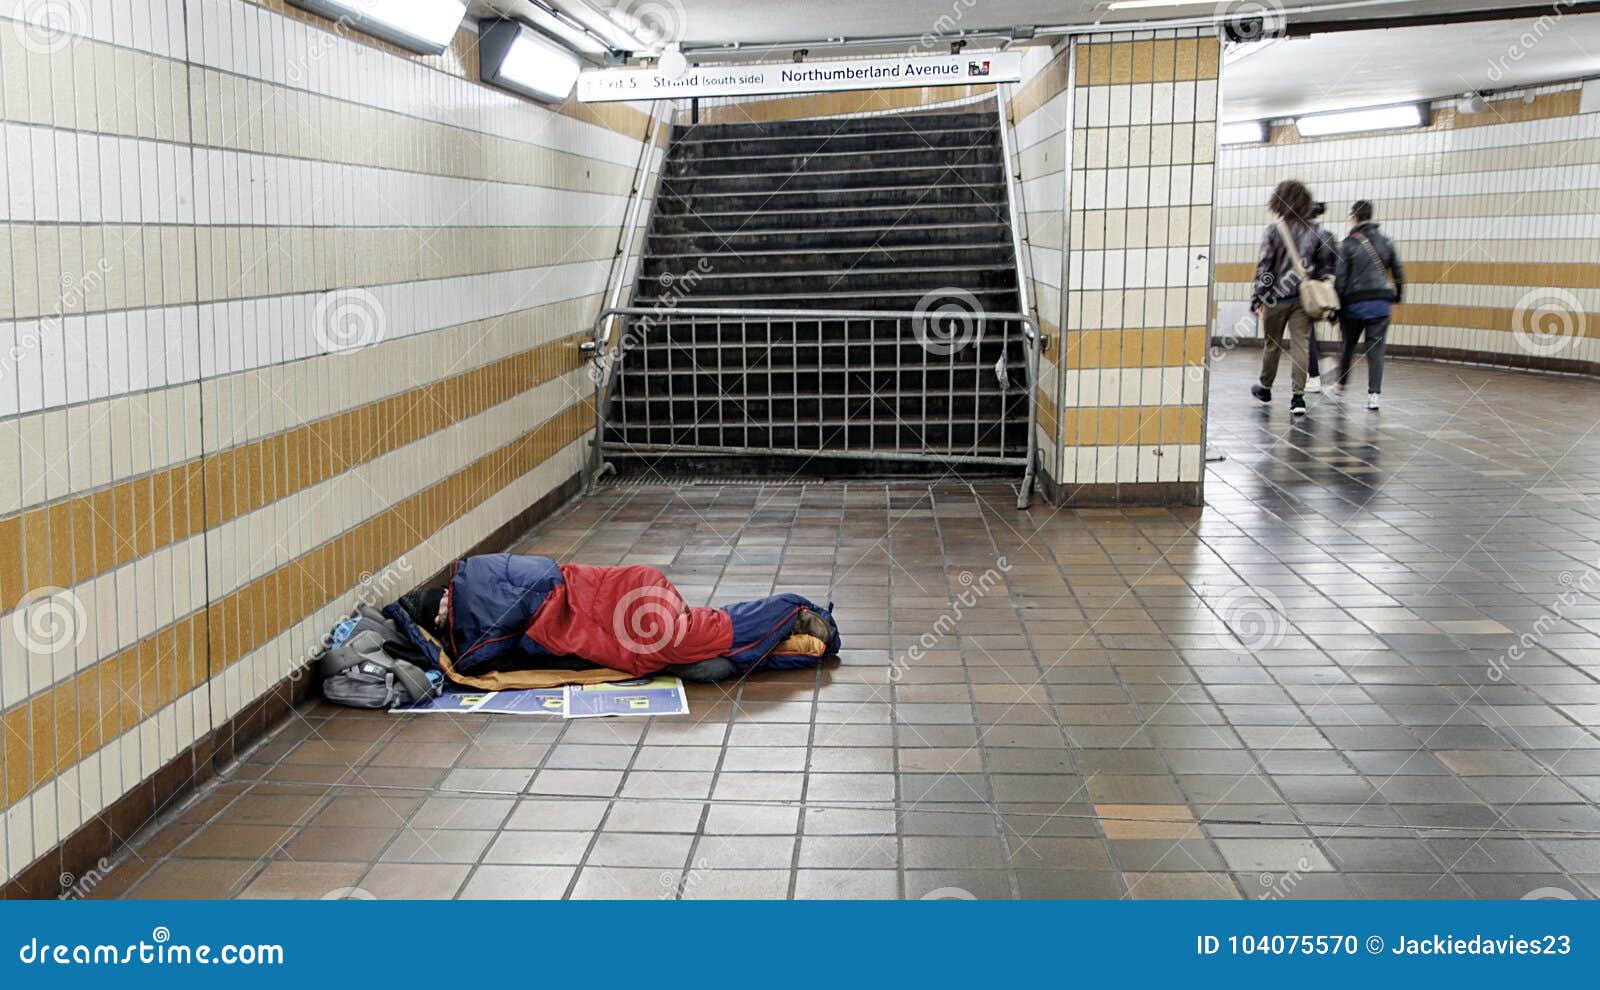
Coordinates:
(532, 701)
(645, 696)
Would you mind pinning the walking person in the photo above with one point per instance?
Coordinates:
(1293, 242)
(1369, 282)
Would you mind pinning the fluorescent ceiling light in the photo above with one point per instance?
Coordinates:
(422, 26)
(569, 31)
(604, 24)
(1146, 4)
(1371, 119)
(520, 59)
(1243, 132)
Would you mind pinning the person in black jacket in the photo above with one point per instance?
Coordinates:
(1369, 282)
(1275, 296)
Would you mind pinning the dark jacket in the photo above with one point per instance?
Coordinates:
(1276, 280)
(1360, 275)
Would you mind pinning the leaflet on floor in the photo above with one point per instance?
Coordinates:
(645, 696)
(531, 701)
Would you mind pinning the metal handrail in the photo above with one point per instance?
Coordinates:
(636, 204)
(1024, 265)
(1033, 342)
(1013, 195)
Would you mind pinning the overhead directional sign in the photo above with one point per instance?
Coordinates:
(602, 85)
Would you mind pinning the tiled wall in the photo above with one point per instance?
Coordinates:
(1131, 301)
(288, 320)
(1494, 214)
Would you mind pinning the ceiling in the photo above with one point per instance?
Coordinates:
(785, 22)
(1368, 68)
(1347, 68)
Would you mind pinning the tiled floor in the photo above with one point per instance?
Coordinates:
(1370, 667)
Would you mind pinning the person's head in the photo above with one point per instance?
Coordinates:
(1291, 200)
(1360, 212)
(428, 608)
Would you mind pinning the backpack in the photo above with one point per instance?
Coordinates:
(361, 669)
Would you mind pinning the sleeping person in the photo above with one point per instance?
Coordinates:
(510, 620)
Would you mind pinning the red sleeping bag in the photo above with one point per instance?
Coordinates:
(627, 618)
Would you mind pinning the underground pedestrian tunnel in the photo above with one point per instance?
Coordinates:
(938, 316)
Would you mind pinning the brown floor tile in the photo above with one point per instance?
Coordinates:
(407, 881)
(283, 880)
(193, 879)
(518, 883)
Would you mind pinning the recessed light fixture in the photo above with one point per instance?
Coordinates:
(1369, 119)
(515, 57)
(1243, 132)
(422, 26)
(567, 30)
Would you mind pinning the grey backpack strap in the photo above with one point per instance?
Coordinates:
(367, 644)
(414, 680)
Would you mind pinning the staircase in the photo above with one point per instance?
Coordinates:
(903, 215)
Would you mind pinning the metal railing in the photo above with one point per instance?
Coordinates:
(942, 386)
(1017, 217)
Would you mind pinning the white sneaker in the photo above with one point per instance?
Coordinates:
(1314, 384)
(1372, 400)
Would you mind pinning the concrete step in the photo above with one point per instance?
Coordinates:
(666, 297)
(780, 202)
(834, 161)
(741, 239)
(844, 260)
(884, 217)
(833, 179)
(787, 144)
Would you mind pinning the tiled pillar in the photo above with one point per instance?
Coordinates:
(1117, 139)
(1133, 361)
